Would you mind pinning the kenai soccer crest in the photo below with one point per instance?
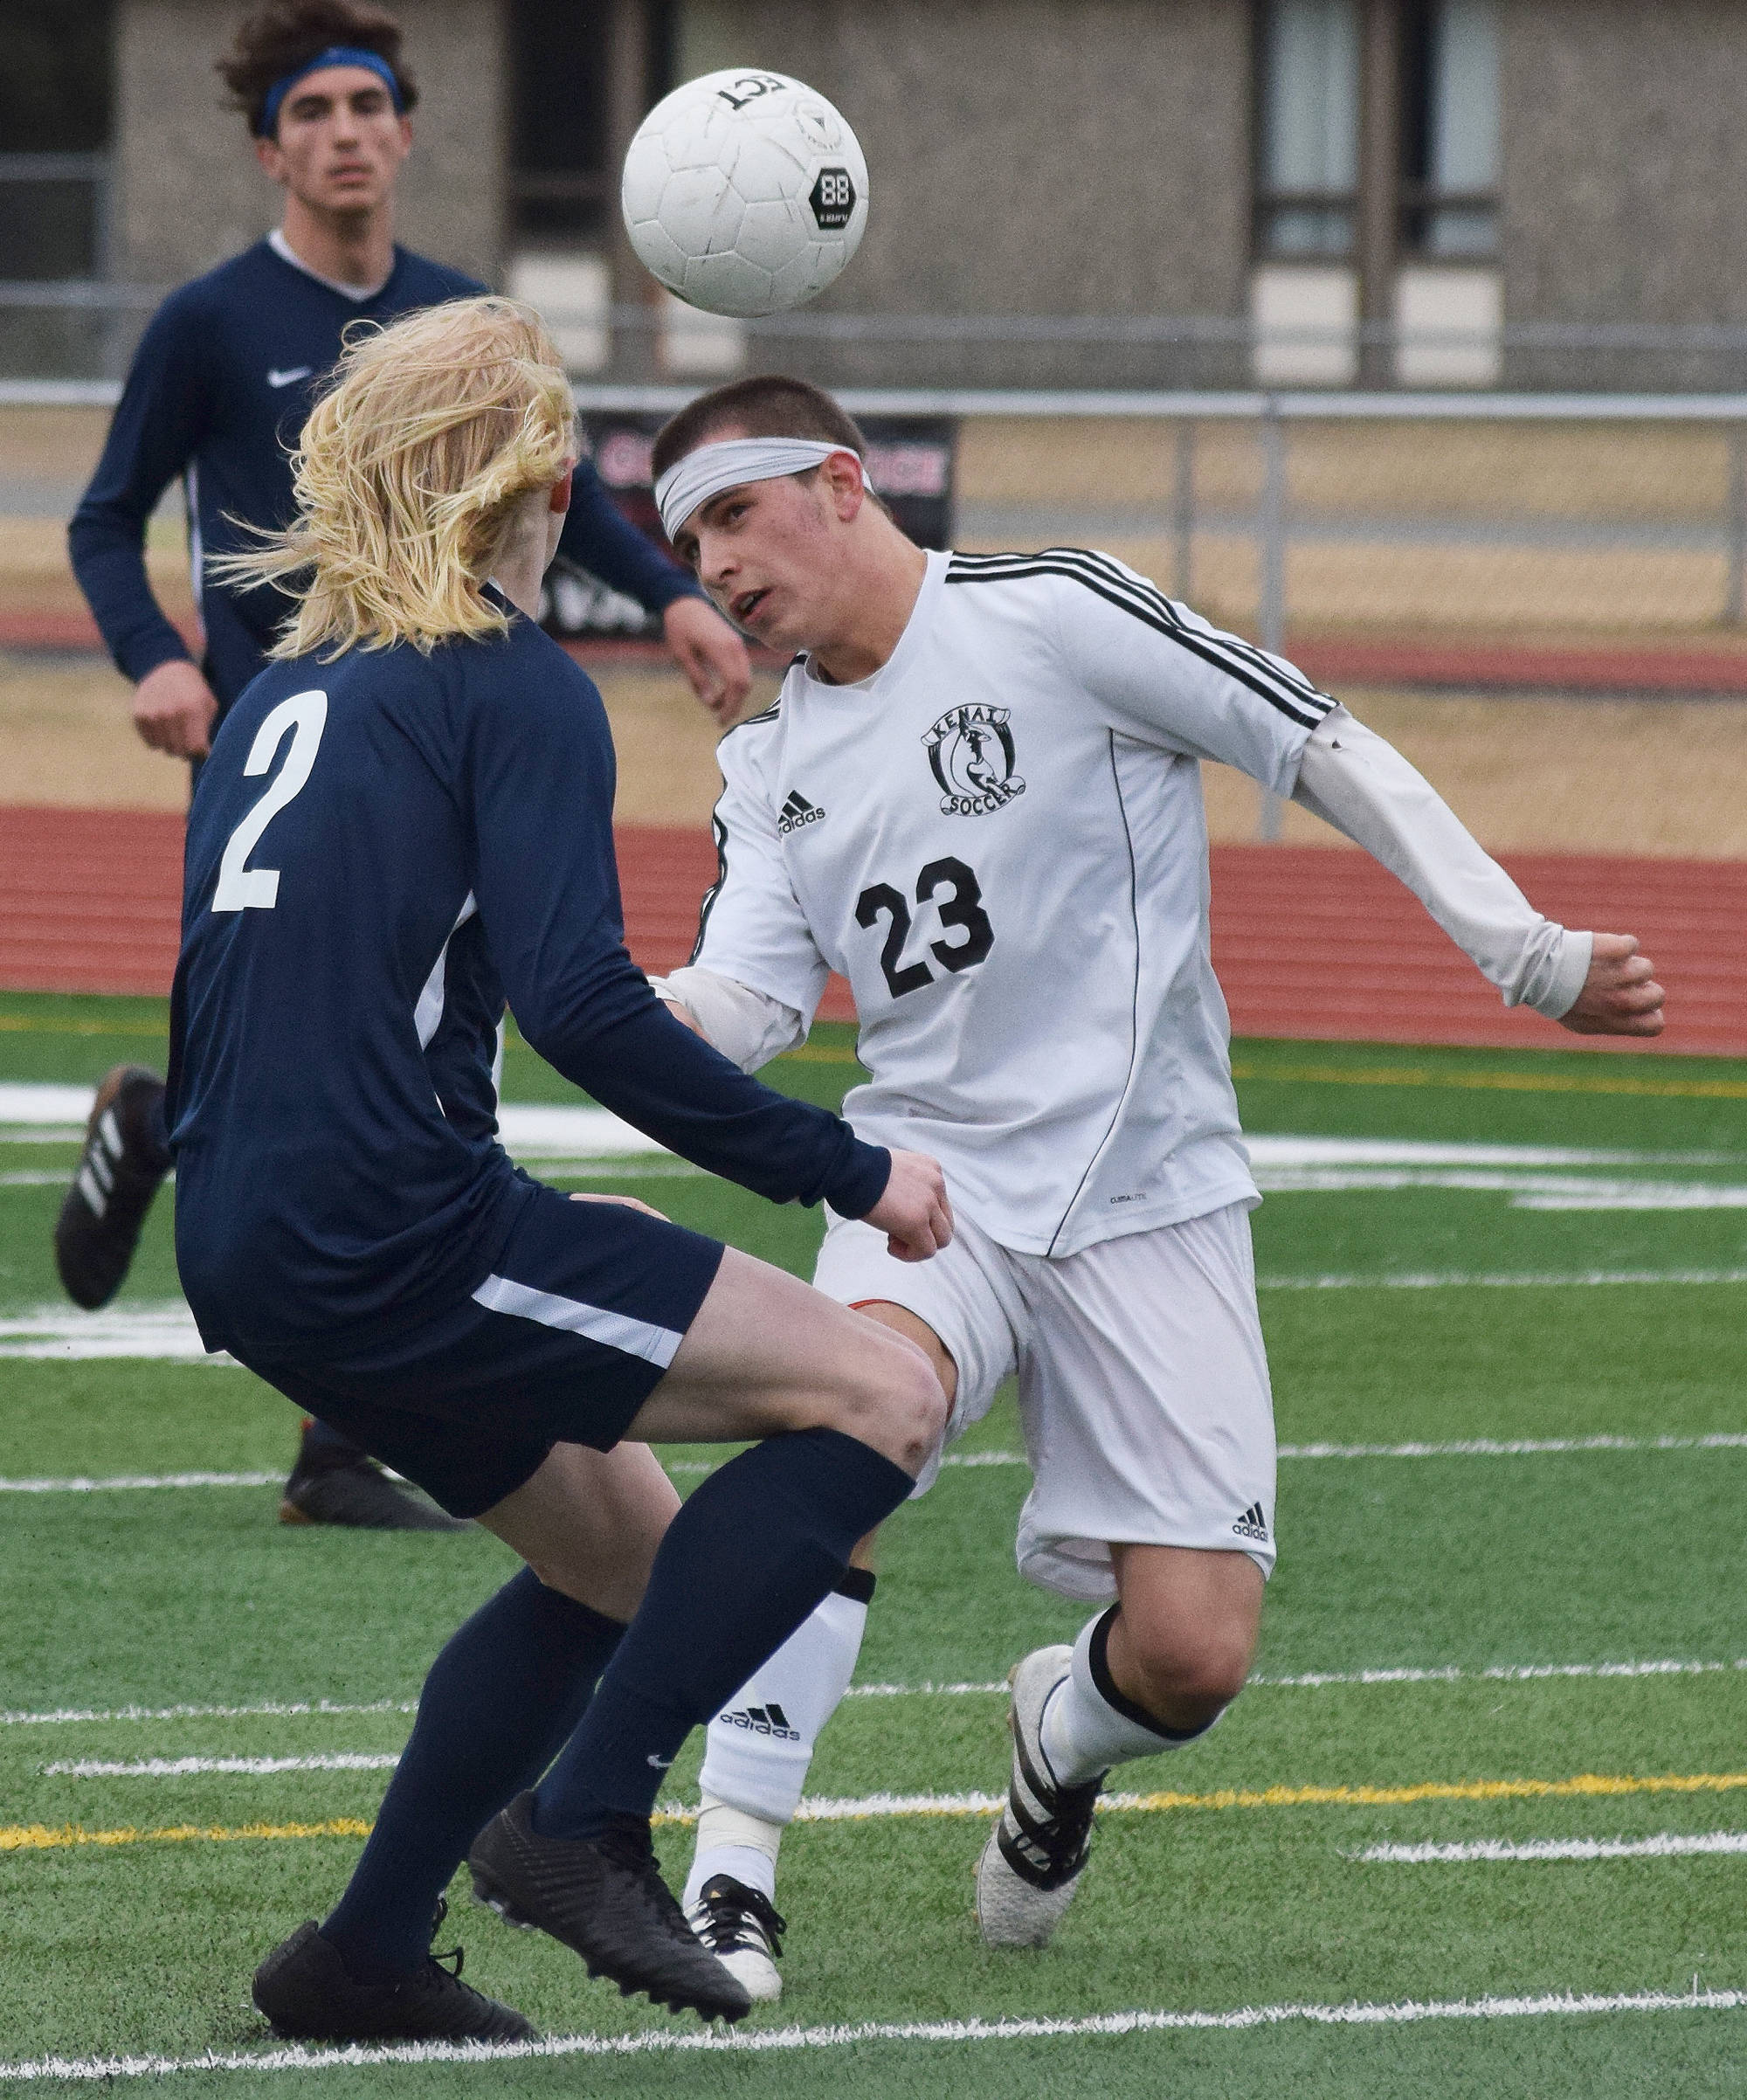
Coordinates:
(971, 752)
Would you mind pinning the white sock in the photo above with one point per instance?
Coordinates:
(1083, 1733)
(758, 1748)
(730, 1841)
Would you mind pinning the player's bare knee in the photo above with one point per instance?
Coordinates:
(897, 1406)
(1188, 1682)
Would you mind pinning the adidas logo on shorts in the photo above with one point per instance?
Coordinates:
(761, 1721)
(1252, 1524)
(798, 810)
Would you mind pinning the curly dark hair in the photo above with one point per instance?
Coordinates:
(279, 38)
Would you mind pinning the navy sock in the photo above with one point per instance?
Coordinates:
(747, 1559)
(502, 1697)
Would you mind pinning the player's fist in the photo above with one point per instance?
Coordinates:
(174, 709)
(914, 1213)
(711, 654)
(1621, 995)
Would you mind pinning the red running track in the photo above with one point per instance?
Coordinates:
(1310, 941)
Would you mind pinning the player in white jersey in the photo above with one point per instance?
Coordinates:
(978, 797)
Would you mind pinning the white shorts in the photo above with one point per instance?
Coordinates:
(1143, 1388)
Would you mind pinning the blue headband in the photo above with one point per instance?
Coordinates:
(336, 54)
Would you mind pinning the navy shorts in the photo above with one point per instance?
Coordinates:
(562, 1343)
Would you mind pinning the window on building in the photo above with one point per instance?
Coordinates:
(1450, 129)
(562, 184)
(1307, 143)
(54, 138)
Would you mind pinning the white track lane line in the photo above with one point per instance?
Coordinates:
(1667, 1845)
(769, 2041)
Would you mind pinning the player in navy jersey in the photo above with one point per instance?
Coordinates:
(218, 391)
(406, 818)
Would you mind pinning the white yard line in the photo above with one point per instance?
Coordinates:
(1469, 1448)
(62, 1716)
(1665, 1846)
(773, 2040)
(1456, 1278)
(176, 1768)
(1516, 1672)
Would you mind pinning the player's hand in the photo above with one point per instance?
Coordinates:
(174, 709)
(711, 654)
(914, 1213)
(629, 1202)
(1621, 995)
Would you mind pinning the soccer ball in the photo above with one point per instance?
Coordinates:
(745, 193)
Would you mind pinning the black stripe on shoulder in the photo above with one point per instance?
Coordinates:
(1299, 703)
(752, 721)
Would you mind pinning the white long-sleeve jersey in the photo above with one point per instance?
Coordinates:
(998, 839)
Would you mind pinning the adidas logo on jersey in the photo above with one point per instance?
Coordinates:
(761, 1721)
(1252, 1524)
(798, 810)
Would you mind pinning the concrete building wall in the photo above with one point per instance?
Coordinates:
(1625, 188)
(1029, 157)
(188, 191)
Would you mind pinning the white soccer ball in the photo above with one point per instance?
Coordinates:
(745, 193)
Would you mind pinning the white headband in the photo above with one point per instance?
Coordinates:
(700, 475)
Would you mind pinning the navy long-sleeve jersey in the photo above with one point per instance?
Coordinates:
(219, 389)
(380, 849)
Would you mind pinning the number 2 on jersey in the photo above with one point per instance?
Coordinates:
(241, 888)
(963, 909)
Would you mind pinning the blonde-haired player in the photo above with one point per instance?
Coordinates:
(405, 818)
(977, 798)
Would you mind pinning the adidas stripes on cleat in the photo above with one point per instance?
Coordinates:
(605, 1898)
(305, 1989)
(118, 1174)
(1032, 1863)
(741, 1927)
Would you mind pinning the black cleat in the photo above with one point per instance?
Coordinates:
(118, 1174)
(604, 1897)
(306, 1990)
(358, 1493)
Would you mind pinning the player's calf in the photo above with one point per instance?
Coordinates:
(1148, 1675)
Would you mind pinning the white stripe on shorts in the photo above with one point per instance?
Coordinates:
(632, 1337)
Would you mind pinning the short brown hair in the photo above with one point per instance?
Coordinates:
(769, 405)
(286, 35)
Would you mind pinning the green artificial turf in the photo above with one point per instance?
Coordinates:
(158, 1599)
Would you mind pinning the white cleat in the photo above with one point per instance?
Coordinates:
(1032, 1863)
(740, 1928)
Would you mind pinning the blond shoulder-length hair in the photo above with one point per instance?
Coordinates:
(406, 475)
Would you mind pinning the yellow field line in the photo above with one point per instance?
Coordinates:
(21, 1024)
(1584, 1783)
(1498, 1082)
(1320, 1075)
(1403, 1076)
(40, 1837)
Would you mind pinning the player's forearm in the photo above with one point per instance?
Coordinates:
(640, 1062)
(747, 1027)
(1361, 785)
(108, 553)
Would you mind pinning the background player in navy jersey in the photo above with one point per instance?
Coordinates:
(406, 816)
(218, 391)
(1006, 854)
